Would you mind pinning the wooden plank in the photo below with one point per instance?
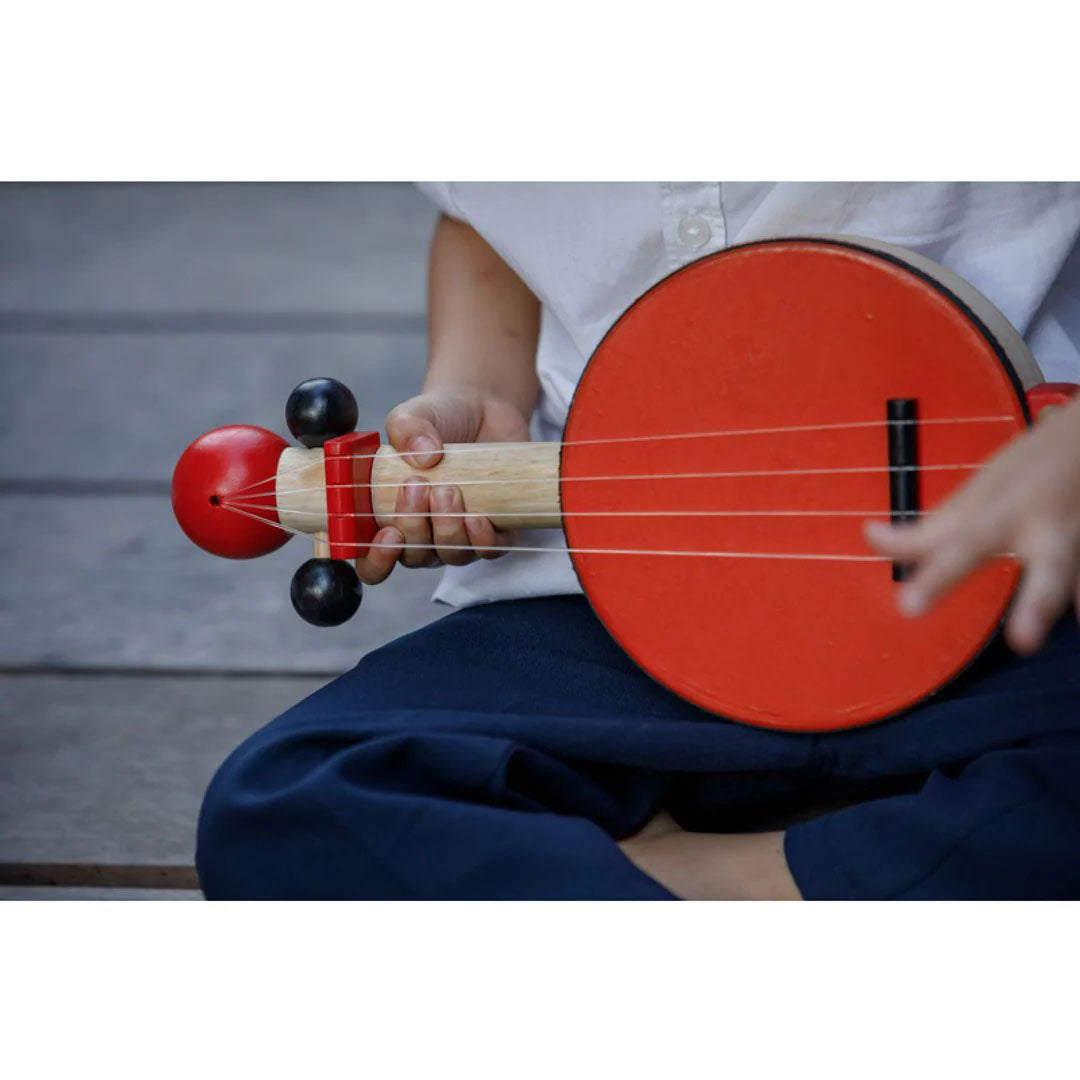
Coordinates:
(113, 582)
(133, 317)
(109, 771)
(125, 407)
(270, 248)
(145, 595)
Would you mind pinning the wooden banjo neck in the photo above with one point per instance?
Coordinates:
(514, 484)
(242, 491)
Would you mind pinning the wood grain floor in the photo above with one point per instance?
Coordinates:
(133, 317)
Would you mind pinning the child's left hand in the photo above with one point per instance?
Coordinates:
(1026, 502)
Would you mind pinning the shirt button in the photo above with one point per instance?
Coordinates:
(694, 231)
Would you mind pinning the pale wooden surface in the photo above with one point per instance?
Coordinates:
(236, 249)
(132, 318)
(110, 769)
(121, 407)
(515, 484)
(16, 893)
(109, 581)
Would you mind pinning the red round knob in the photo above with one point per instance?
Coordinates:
(223, 491)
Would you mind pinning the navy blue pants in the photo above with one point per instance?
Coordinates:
(502, 751)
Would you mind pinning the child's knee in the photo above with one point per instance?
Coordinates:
(269, 826)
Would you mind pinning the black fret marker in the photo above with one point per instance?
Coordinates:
(903, 466)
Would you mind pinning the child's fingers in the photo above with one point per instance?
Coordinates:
(381, 558)
(420, 426)
(943, 548)
(1042, 597)
(909, 541)
(411, 430)
(448, 526)
(896, 541)
(938, 570)
(488, 541)
(412, 518)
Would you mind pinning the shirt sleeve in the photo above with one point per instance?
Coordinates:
(440, 193)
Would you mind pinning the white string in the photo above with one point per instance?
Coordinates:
(267, 521)
(732, 432)
(269, 480)
(583, 513)
(662, 552)
(735, 473)
(811, 556)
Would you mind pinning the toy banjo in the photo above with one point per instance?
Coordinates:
(727, 441)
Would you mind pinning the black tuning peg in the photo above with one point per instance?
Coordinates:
(320, 409)
(325, 592)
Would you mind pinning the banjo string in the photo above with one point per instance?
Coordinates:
(642, 477)
(472, 448)
(877, 512)
(660, 552)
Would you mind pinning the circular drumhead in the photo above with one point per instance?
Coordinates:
(723, 450)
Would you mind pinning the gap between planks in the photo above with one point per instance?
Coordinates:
(100, 875)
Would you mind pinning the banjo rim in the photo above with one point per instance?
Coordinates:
(1015, 360)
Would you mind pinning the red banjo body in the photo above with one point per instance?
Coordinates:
(727, 442)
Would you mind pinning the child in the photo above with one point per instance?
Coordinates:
(511, 750)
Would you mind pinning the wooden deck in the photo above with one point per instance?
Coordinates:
(132, 318)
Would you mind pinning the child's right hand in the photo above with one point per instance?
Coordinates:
(420, 427)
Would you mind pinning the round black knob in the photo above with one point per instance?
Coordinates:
(325, 592)
(320, 409)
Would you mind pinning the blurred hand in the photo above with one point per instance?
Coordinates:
(420, 427)
(1026, 502)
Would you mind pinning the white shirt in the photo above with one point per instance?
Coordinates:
(589, 250)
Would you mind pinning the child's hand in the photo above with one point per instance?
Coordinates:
(1026, 501)
(420, 427)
